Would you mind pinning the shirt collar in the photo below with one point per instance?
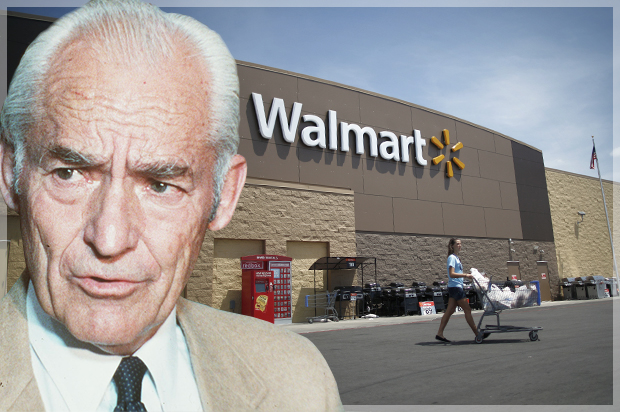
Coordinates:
(81, 369)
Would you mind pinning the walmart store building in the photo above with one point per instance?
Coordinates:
(338, 171)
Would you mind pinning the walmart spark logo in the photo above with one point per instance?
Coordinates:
(446, 142)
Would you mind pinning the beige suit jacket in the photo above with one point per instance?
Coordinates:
(240, 363)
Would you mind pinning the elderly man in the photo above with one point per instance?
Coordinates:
(119, 136)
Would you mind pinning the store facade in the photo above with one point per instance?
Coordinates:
(338, 171)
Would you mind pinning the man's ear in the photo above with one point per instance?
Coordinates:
(231, 190)
(7, 161)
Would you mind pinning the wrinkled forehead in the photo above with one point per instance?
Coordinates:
(88, 80)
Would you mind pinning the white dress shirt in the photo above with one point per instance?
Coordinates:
(77, 377)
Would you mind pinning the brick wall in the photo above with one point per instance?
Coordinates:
(405, 258)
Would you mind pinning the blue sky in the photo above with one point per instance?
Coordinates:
(541, 75)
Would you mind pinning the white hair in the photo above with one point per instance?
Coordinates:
(136, 31)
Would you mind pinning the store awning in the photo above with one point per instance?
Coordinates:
(340, 263)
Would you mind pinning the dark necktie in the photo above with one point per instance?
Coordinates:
(128, 380)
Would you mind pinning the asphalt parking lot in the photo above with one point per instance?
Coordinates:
(397, 361)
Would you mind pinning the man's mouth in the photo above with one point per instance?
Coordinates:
(106, 288)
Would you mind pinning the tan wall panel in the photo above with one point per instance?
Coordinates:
(510, 198)
(435, 187)
(389, 179)
(474, 137)
(340, 170)
(304, 254)
(460, 220)
(416, 216)
(534, 199)
(431, 124)
(531, 173)
(373, 213)
(481, 192)
(503, 145)
(584, 249)
(385, 114)
(503, 223)
(469, 157)
(268, 84)
(237, 248)
(277, 162)
(496, 166)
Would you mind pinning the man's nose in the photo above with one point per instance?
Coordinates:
(113, 223)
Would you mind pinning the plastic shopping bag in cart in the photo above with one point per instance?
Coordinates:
(525, 297)
(500, 298)
(482, 280)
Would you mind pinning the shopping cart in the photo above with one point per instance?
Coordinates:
(495, 301)
(322, 302)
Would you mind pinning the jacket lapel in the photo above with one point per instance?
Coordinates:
(18, 387)
(226, 382)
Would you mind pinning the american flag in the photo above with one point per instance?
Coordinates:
(593, 158)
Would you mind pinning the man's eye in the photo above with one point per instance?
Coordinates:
(159, 187)
(65, 174)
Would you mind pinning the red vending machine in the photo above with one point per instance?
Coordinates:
(266, 288)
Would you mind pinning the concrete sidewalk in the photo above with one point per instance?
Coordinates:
(317, 326)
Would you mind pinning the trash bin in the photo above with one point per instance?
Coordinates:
(590, 287)
(579, 289)
(599, 282)
(567, 288)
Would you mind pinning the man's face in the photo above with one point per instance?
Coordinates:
(117, 190)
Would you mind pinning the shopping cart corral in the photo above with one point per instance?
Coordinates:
(495, 299)
(323, 304)
(352, 302)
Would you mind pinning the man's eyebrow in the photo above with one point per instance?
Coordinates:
(162, 170)
(69, 156)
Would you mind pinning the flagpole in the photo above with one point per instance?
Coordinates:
(613, 253)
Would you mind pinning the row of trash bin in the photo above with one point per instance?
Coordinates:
(589, 287)
(398, 299)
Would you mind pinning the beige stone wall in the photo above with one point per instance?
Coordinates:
(300, 221)
(226, 269)
(582, 249)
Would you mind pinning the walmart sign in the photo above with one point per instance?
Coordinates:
(326, 136)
